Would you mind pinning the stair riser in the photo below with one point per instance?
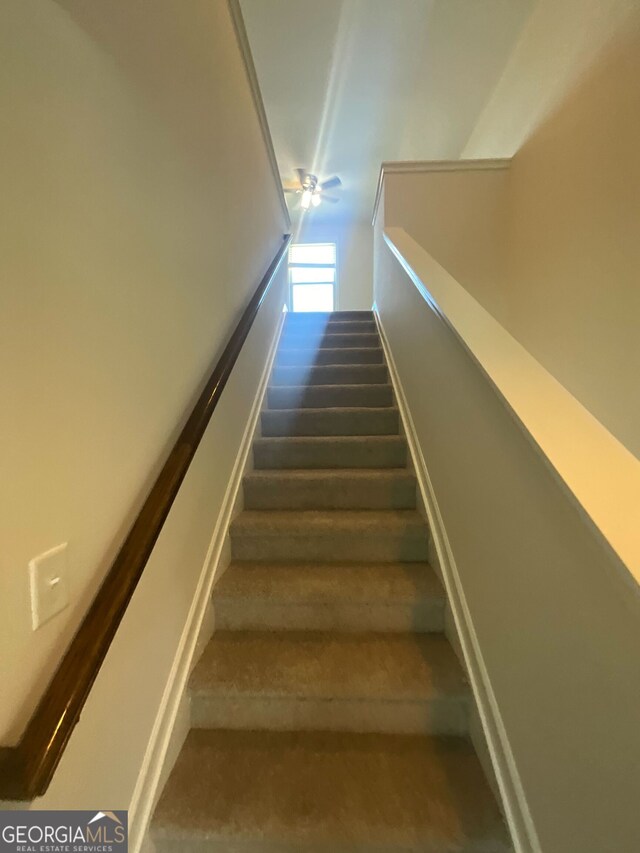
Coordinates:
(298, 357)
(339, 547)
(372, 374)
(439, 716)
(336, 493)
(328, 422)
(246, 614)
(328, 316)
(339, 327)
(324, 396)
(329, 455)
(304, 339)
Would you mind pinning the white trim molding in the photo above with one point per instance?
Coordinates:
(402, 167)
(252, 77)
(172, 720)
(510, 786)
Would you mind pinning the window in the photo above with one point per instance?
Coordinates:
(312, 276)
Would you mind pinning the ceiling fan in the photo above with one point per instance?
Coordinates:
(311, 191)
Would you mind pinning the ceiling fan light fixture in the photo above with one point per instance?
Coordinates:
(310, 190)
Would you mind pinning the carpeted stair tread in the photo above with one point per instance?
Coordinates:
(333, 792)
(327, 536)
(311, 355)
(330, 421)
(378, 451)
(333, 374)
(330, 488)
(331, 582)
(297, 338)
(300, 523)
(331, 327)
(331, 396)
(341, 596)
(304, 317)
(297, 321)
(329, 665)
(398, 683)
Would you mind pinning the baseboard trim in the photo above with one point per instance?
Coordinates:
(514, 802)
(171, 724)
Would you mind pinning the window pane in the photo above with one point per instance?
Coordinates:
(312, 253)
(312, 275)
(312, 297)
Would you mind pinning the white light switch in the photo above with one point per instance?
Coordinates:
(47, 576)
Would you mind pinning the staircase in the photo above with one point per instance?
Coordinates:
(329, 712)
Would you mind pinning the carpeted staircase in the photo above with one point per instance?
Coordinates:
(329, 712)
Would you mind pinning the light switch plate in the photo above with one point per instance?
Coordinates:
(48, 580)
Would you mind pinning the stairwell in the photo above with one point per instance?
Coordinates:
(329, 712)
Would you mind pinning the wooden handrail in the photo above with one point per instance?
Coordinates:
(27, 768)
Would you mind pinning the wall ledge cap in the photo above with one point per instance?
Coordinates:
(565, 433)
(399, 167)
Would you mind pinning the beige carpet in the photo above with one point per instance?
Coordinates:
(329, 712)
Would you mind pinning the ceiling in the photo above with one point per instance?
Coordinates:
(348, 84)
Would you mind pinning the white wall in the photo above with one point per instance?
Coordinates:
(459, 217)
(354, 247)
(557, 45)
(556, 621)
(105, 754)
(568, 108)
(573, 247)
(128, 253)
(550, 246)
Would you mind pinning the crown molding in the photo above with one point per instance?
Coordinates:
(252, 77)
(397, 167)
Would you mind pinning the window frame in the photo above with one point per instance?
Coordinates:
(296, 265)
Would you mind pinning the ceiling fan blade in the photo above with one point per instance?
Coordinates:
(292, 190)
(302, 174)
(331, 182)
